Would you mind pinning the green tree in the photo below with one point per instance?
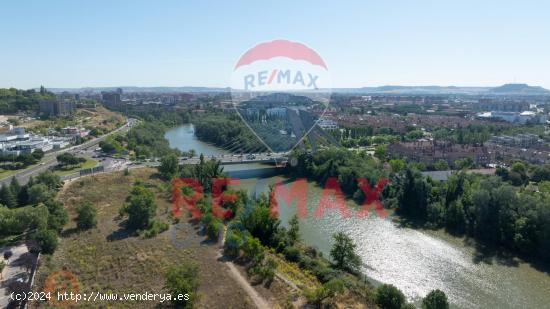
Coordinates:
(57, 215)
(462, 164)
(253, 250)
(38, 154)
(49, 179)
(141, 207)
(169, 166)
(380, 152)
(389, 297)
(7, 197)
(436, 299)
(294, 230)
(441, 165)
(66, 159)
(261, 223)
(343, 252)
(397, 165)
(413, 197)
(15, 187)
(183, 280)
(86, 216)
(39, 193)
(47, 239)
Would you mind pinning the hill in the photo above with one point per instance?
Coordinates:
(14, 100)
(519, 89)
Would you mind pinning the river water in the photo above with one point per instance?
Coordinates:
(414, 261)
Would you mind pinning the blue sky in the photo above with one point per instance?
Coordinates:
(196, 43)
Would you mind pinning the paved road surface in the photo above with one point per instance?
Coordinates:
(49, 160)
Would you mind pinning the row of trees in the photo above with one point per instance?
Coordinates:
(389, 297)
(69, 159)
(521, 173)
(484, 207)
(21, 161)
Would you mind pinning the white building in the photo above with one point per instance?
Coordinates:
(515, 117)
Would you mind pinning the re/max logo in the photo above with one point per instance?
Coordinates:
(281, 77)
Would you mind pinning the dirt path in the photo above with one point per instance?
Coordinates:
(258, 300)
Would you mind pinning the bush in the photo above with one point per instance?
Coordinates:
(436, 299)
(233, 242)
(212, 226)
(265, 271)
(253, 250)
(155, 228)
(325, 293)
(141, 207)
(86, 217)
(389, 297)
(292, 254)
(183, 279)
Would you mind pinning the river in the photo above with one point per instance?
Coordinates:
(413, 260)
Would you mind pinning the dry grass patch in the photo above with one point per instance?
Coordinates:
(110, 259)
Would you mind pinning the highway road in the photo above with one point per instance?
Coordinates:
(83, 150)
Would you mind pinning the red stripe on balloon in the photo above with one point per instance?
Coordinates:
(281, 48)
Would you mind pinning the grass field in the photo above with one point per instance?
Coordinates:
(8, 173)
(88, 164)
(110, 259)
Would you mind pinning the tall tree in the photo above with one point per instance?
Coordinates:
(169, 166)
(86, 216)
(343, 252)
(141, 207)
(7, 197)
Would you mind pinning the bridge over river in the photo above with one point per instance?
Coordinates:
(231, 159)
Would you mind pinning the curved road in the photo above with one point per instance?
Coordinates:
(50, 160)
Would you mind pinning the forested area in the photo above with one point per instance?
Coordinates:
(486, 208)
(227, 131)
(147, 138)
(31, 210)
(13, 100)
(347, 166)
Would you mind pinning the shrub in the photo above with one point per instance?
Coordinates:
(265, 271)
(86, 217)
(253, 250)
(156, 227)
(233, 242)
(436, 299)
(389, 297)
(183, 279)
(325, 293)
(212, 226)
(292, 254)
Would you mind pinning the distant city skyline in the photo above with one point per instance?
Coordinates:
(68, 44)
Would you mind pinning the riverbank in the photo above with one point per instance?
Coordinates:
(416, 261)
